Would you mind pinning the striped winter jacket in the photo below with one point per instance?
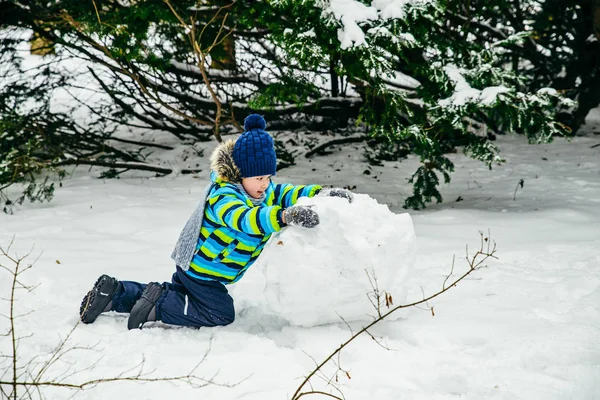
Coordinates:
(234, 231)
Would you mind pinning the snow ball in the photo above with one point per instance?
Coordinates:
(318, 276)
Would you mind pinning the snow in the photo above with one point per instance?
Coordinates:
(526, 327)
(548, 90)
(354, 242)
(403, 80)
(308, 33)
(489, 94)
(464, 93)
(352, 13)
(543, 50)
(351, 34)
(592, 122)
(391, 9)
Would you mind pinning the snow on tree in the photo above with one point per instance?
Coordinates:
(418, 77)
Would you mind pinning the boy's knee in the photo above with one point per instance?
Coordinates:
(229, 320)
(223, 319)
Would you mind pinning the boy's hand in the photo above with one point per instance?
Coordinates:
(301, 216)
(337, 192)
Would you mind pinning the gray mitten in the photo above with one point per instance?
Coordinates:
(301, 216)
(337, 192)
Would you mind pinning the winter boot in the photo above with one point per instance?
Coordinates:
(144, 309)
(97, 300)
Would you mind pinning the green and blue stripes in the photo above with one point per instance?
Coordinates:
(234, 231)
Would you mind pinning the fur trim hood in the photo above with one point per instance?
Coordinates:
(221, 161)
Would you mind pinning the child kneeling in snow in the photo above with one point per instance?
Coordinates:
(239, 212)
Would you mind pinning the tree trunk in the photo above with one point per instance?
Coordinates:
(335, 89)
(596, 13)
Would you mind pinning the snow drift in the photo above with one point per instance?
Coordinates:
(315, 276)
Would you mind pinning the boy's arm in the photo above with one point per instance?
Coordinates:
(286, 195)
(227, 209)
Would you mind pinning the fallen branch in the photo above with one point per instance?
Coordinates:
(321, 147)
(143, 144)
(127, 166)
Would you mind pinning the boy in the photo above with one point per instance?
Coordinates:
(237, 215)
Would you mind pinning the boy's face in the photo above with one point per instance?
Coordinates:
(256, 185)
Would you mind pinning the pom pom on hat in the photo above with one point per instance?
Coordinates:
(254, 121)
(254, 151)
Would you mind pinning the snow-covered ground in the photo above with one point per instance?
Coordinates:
(592, 123)
(526, 327)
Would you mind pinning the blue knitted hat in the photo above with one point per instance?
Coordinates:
(254, 151)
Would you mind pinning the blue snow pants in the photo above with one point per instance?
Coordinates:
(186, 301)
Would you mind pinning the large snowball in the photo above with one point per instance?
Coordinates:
(315, 276)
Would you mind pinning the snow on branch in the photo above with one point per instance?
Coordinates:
(352, 13)
(464, 93)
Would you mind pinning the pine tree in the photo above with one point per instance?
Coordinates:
(420, 77)
(427, 83)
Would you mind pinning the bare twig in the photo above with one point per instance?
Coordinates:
(15, 284)
(520, 183)
(375, 295)
(26, 379)
(318, 392)
(450, 274)
(129, 71)
(201, 54)
(475, 262)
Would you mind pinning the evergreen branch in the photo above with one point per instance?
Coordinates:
(472, 21)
